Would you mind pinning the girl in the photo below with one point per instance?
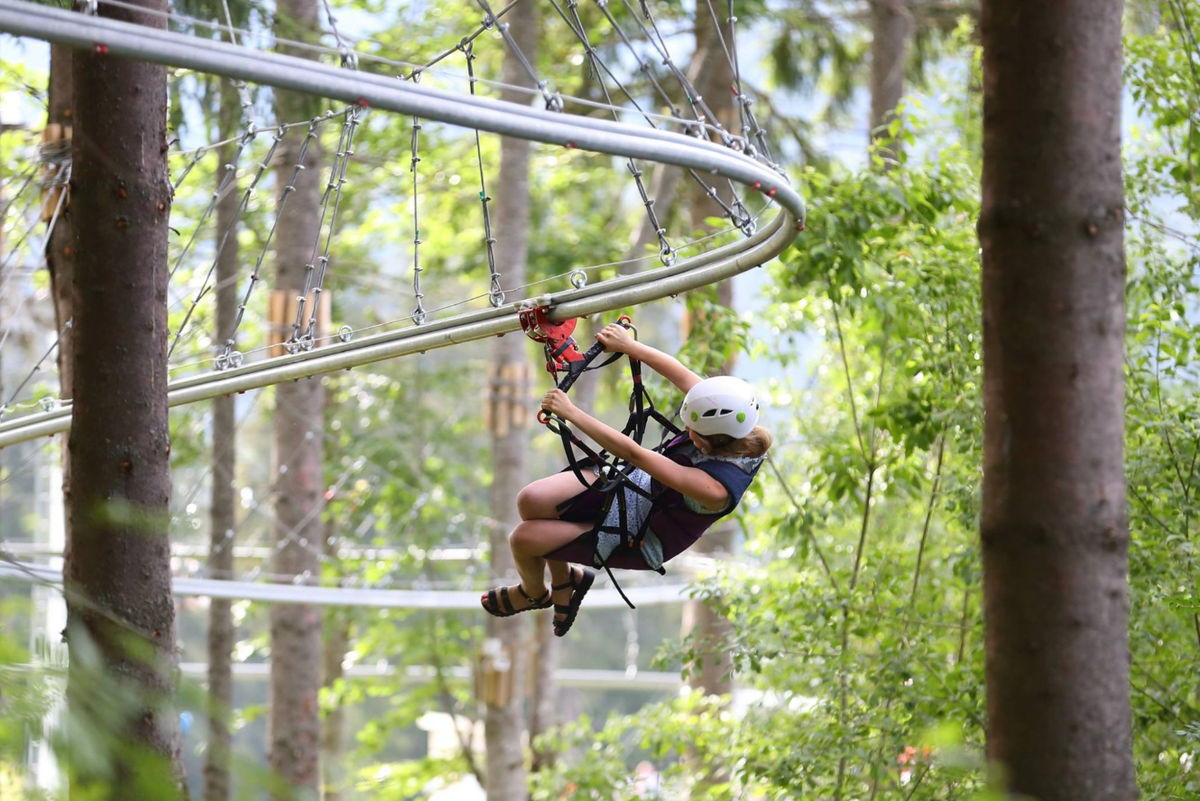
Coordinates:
(696, 480)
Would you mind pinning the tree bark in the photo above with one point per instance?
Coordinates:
(543, 706)
(890, 28)
(504, 726)
(709, 630)
(118, 582)
(1053, 526)
(337, 643)
(223, 519)
(60, 256)
(294, 724)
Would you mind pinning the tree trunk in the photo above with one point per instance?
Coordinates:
(294, 724)
(1053, 524)
(709, 630)
(60, 254)
(890, 22)
(543, 706)
(224, 457)
(504, 726)
(119, 580)
(337, 643)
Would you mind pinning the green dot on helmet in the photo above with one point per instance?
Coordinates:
(695, 417)
(741, 417)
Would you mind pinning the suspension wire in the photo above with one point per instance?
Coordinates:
(738, 214)
(26, 179)
(250, 132)
(730, 57)
(348, 57)
(487, 24)
(209, 469)
(666, 252)
(230, 169)
(751, 130)
(230, 357)
(197, 155)
(242, 204)
(455, 304)
(199, 152)
(37, 367)
(338, 172)
(644, 67)
(496, 291)
(242, 89)
(60, 170)
(699, 108)
(13, 473)
(61, 177)
(396, 63)
(554, 101)
(419, 315)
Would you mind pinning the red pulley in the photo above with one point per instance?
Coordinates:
(561, 349)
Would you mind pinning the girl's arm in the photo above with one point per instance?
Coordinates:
(694, 483)
(616, 339)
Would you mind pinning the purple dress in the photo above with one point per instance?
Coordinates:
(675, 522)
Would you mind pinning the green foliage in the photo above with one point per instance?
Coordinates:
(857, 633)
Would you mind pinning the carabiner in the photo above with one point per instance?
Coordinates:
(627, 321)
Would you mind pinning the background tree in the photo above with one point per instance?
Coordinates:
(1053, 525)
(60, 246)
(118, 576)
(505, 721)
(294, 725)
(891, 22)
(223, 510)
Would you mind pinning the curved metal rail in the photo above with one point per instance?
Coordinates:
(507, 119)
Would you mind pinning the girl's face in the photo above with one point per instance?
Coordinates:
(694, 437)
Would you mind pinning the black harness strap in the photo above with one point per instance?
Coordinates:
(614, 474)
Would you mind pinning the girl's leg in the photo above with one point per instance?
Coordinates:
(540, 499)
(540, 533)
(530, 541)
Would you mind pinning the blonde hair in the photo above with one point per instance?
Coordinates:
(753, 445)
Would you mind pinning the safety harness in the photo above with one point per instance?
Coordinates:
(564, 357)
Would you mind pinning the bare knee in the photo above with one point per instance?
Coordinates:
(523, 540)
(524, 503)
(531, 504)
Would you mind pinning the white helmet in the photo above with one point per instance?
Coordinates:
(721, 405)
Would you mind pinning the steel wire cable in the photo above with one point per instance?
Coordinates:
(411, 67)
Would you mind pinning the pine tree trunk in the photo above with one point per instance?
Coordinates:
(1053, 525)
(712, 83)
(543, 706)
(294, 725)
(890, 23)
(337, 643)
(504, 726)
(60, 256)
(223, 520)
(119, 580)
(709, 630)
